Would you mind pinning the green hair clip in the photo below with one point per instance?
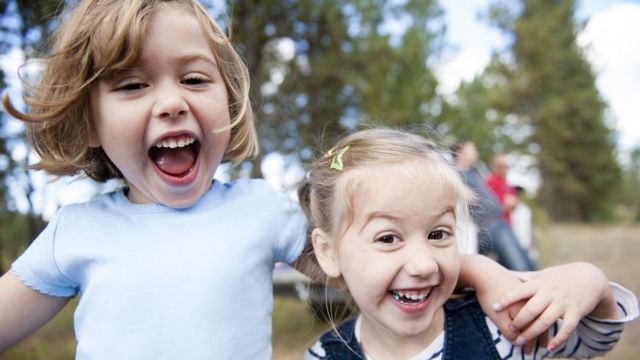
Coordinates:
(336, 162)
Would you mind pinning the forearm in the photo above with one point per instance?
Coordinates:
(475, 270)
(607, 307)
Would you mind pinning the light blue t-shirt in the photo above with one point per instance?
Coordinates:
(162, 283)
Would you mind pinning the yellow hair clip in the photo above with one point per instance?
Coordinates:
(336, 162)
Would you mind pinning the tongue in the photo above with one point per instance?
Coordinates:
(175, 161)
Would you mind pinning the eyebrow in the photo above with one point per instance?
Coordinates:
(198, 57)
(392, 217)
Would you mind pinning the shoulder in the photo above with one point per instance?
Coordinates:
(343, 332)
(338, 343)
(258, 194)
(247, 188)
(98, 203)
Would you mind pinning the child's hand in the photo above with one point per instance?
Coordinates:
(492, 282)
(491, 292)
(568, 292)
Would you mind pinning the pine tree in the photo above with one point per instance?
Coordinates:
(554, 91)
(345, 71)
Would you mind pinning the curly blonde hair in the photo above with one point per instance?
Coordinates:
(96, 39)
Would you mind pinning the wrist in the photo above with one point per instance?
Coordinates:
(606, 307)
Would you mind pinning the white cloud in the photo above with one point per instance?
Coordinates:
(612, 42)
(611, 37)
(472, 40)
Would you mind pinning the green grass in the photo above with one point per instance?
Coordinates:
(613, 248)
(294, 328)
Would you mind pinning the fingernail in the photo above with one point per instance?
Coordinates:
(520, 341)
(497, 306)
(551, 347)
(513, 328)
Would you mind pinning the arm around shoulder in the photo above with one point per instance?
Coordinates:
(24, 310)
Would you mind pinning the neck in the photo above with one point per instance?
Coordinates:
(380, 343)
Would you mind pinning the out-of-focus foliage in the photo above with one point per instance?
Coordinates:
(551, 107)
(322, 68)
(476, 113)
(23, 25)
(629, 196)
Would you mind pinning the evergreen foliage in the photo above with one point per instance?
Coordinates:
(24, 27)
(576, 156)
(346, 71)
(552, 89)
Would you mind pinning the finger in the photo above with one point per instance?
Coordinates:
(521, 292)
(569, 324)
(506, 328)
(531, 311)
(540, 326)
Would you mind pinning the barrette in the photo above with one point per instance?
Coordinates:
(336, 162)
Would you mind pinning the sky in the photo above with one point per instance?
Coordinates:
(611, 40)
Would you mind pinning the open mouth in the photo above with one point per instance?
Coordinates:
(175, 156)
(410, 297)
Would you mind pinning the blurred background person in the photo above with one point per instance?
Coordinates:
(497, 182)
(495, 236)
(522, 224)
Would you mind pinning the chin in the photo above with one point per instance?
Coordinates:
(416, 329)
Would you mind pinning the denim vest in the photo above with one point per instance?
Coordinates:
(466, 335)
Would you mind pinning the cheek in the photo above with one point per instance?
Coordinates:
(352, 263)
(368, 272)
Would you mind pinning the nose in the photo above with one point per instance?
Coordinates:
(169, 102)
(420, 260)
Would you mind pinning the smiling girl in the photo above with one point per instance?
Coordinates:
(150, 92)
(385, 208)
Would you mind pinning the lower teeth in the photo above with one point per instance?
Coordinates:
(403, 299)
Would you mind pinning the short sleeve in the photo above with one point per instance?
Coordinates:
(37, 266)
(292, 225)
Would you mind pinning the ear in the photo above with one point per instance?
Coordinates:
(325, 252)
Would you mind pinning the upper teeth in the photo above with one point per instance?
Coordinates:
(175, 142)
(413, 295)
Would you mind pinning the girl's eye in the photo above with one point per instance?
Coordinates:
(131, 86)
(387, 239)
(439, 235)
(194, 80)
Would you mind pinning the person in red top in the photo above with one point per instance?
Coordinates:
(497, 182)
